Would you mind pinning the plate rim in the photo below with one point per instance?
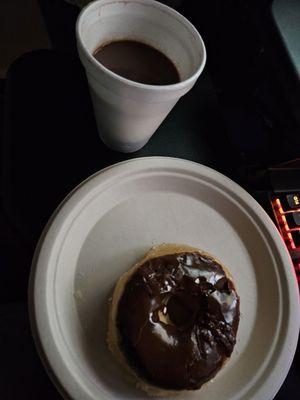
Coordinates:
(35, 297)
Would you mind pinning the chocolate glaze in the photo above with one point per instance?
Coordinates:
(178, 318)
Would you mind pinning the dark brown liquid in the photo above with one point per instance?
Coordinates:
(138, 62)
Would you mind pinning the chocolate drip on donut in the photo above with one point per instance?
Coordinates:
(178, 318)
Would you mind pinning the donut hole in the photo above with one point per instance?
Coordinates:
(180, 310)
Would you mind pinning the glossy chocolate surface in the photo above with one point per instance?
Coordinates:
(178, 318)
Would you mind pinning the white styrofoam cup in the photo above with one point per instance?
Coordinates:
(127, 112)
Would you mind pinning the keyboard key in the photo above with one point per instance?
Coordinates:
(296, 237)
(289, 202)
(293, 200)
(293, 219)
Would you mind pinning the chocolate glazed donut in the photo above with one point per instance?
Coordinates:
(177, 320)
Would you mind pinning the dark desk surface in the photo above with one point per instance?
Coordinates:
(50, 144)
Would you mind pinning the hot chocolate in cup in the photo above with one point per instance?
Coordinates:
(128, 112)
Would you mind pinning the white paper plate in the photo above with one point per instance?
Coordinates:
(108, 223)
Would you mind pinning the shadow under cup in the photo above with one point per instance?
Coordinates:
(127, 112)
